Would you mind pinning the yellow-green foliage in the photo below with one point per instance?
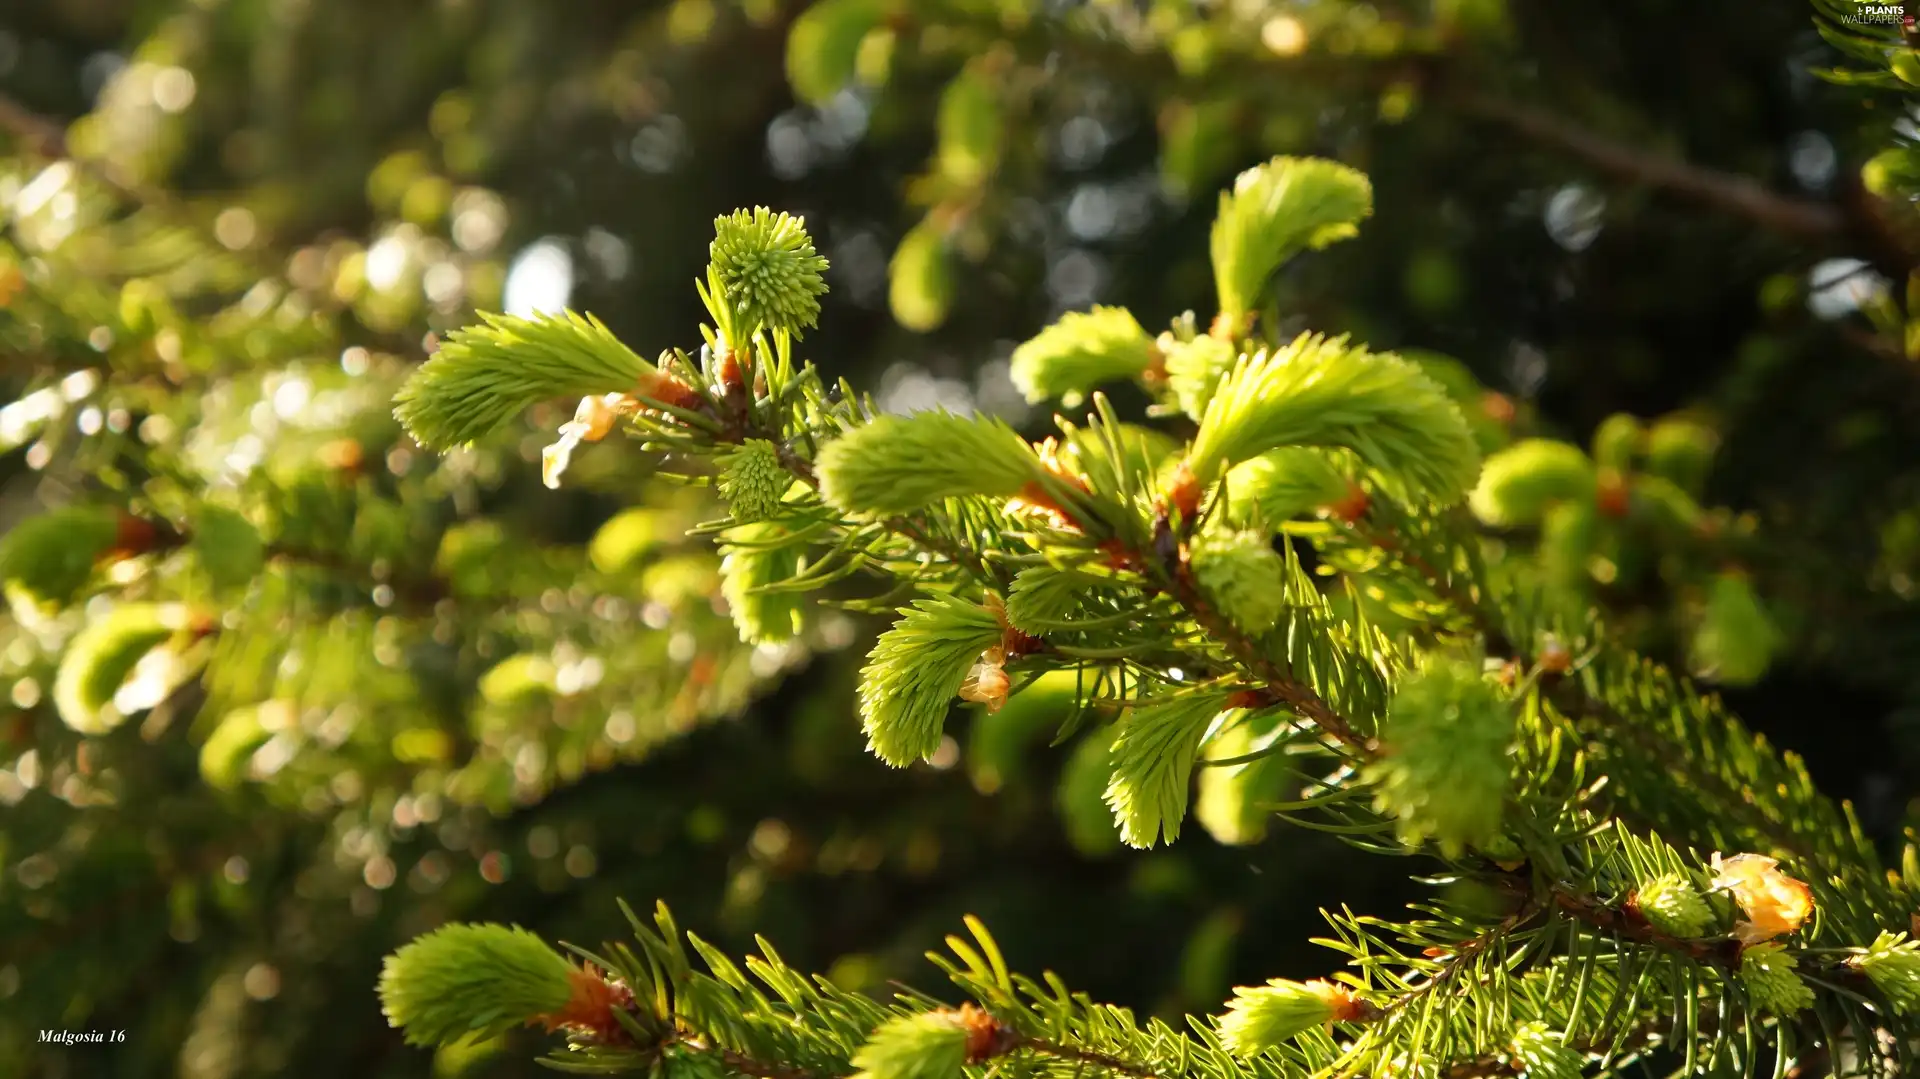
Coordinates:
(1522, 482)
(920, 279)
(50, 556)
(103, 655)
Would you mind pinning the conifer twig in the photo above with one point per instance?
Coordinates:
(746, 1065)
(1575, 702)
(1084, 1056)
(802, 469)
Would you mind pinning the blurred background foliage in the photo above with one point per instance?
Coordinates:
(282, 691)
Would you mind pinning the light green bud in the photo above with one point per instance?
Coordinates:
(1082, 350)
(1520, 483)
(769, 269)
(1671, 904)
(1263, 1017)
(1736, 638)
(1443, 771)
(1617, 442)
(50, 556)
(752, 561)
(901, 464)
(1544, 1053)
(754, 481)
(1773, 984)
(920, 279)
(462, 980)
(823, 46)
(931, 1045)
(1195, 369)
(1893, 963)
(1243, 576)
(101, 657)
(1682, 450)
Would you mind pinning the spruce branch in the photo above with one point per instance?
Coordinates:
(1573, 695)
(483, 375)
(1060, 552)
(1105, 1061)
(911, 527)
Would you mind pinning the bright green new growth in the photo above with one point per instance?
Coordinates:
(769, 271)
(103, 655)
(914, 671)
(1522, 482)
(478, 980)
(1543, 1052)
(1617, 442)
(901, 464)
(1154, 748)
(750, 562)
(225, 753)
(1042, 599)
(971, 125)
(52, 555)
(1267, 1016)
(1671, 904)
(1569, 535)
(484, 375)
(1443, 769)
(823, 47)
(753, 480)
(1195, 369)
(1079, 352)
(1736, 638)
(1771, 977)
(1893, 962)
(1282, 484)
(1681, 450)
(920, 278)
(1664, 503)
(1243, 576)
(1320, 391)
(1275, 211)
(931, 1045)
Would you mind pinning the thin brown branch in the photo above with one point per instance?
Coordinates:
(758, 1069)
(1176, 577)
(1465, 954)
(1730, 192)
(1721, 952)
(1084, 1056)
(421, 593)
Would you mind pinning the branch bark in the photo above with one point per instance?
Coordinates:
(1730, 192)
